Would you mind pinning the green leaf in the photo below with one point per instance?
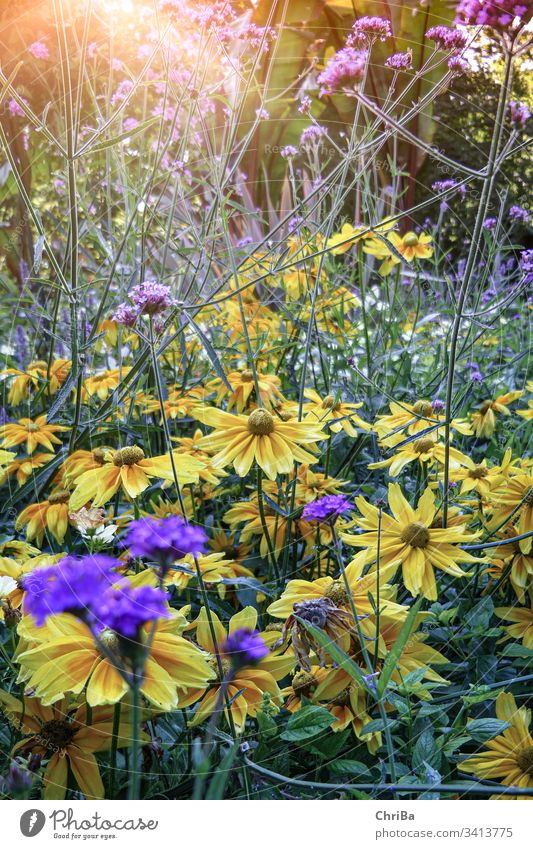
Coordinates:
(210, 351)
(122, 137)
(350, 769)
(223, 771)
(516, 650)
(482, 730)
(337, 654)
(479, 616)
(391, 661)
(306, 723)
(426, 751)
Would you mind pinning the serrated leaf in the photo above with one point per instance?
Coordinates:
(307, 723)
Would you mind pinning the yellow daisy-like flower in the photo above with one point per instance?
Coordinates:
(214, 568)
(104, 383)
(243, 389)
(333, 412)
(510, 554)
(410, 419)
(25, 467)
(312, 485)
(190, 446)
(62, 657)
(342, 241)
(484, 420)
(130, 469)
(81, 461)
(274, 444)
(347, 701)
(244, 691)
(51, 515)
(176, 406)
(522, 622)
(410, 246)
(515, 499)
(410, 537)
(425, 449)
(480, 477)
(509, 756)
(36, 373)
(32, 432)
(65, 737)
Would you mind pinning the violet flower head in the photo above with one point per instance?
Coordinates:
(447, 38)
(151, 298)
(457, 65)
(74, 585)
(346, 67)
(126, 315)
(526, 265)
(400, 61)
(372, 27)
(490, 223)
(499, 15)
(326, 509)
(164, 541)
(289, 151)
(520, 113)
(39, 50)
(244, 648)
(518, 213)
(124, 609)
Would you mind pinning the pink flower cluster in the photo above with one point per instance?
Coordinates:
(498, 15)
(345, 67)
(447, 38)
(39, 50)
(370, 28)
(400, 61)
(520, 113)
(149, 298)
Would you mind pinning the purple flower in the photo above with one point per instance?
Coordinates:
(289, 151)
(446, 185)
(244, 648)
(346, 66)
(400, 61)
(447, 38)
(126, 315)
(124, 609)
(164, 540)
(15, 108)
(526, 265)
(518, 213)
(457, 65)
(326, 509)
(39, 50)
(372, 27)
(71, 586)
(499, 15)
(150, 298)
(437, 405)
(305, 104)
(520, 113)
(490, 223)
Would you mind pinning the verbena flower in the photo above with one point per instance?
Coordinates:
(447, 38)
(289, 151)
(326, 509)
(499, 15)
(520, 113)
(244, 647)
(457, 65)
(126, 315)
(518, 213)
(151, 298)
(74, 585)
(400, 61)
(39, 50)
(346, 67)
(372, 27)
(165, 540)
(124, 609)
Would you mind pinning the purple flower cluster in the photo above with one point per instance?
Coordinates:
(71, 586)
(345, 67)
(90, 588)
(326, 509)
(39, 50)
(526, 265)
(457, 65)
(371, 28)
(490, 223)
(498, 15)
(518, 213)
(244, 648)
(312, 135)
(148, 298)
(125, 609)
(164, 541)
(289, 151)
(447, 38)
(520, 113)
(446, 185)
(400, 61)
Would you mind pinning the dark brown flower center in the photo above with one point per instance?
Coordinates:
(342, 699)
(56, 734)
(247, 375)
(485, 407)
(524, 759)
(60, 497)
(128, 456)
(260, 423)
(99, 455)
(416, 535)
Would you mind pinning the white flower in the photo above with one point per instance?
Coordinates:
(7, 585)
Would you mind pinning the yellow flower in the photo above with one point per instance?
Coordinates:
(515, 499)
(81, 461)
(349, 235)
(104, 383)
(243, 389)
(176, 406)
(52, 515)
(333, 412)
(347, 701)
(410, 246)
(303, 686)
(522, 622)
(247, 512)
(190, 446)
(409, 536)
(37, 373)
(479, 476)
(425, 449)
(244, 691)
(33, 433)
(274, 444)
(64, 736)
(312, 485)
(484, 420)
(25, 467)
(63, 658)
(509, 756)
(410, 419)
(129, 468)
(214, 568)
(521, 574)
